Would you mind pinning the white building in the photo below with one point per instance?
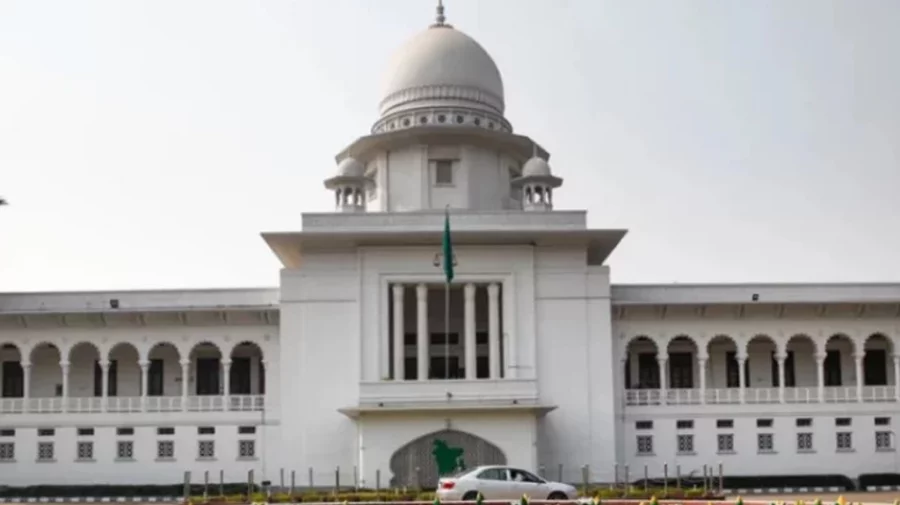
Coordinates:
(348, 366)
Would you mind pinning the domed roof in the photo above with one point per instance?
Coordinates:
(442, 66)
(349, 167)
(536, 167)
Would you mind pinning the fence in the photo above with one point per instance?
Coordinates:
(341, 480)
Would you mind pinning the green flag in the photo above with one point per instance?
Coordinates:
(447, 249)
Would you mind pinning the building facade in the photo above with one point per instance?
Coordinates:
(364, 361)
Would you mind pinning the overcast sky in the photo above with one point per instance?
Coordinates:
(146, 144)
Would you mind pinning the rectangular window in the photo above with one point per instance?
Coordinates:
(124, 431)
(804, 442)
(7, 432)
(684, 424)
(763, 423)
(168, 430)
(239, 375)
(643, 425)
(842, 421)
(681, 370)
(125, 449)
(724, 423)
(206, 449)
(206, 430)
(725, 442)
(645, 444)
(648, 371)
(208, 377)
(882, 421)
(883, 441)
(155, 377)
(246, 430)
(443, 172)
(7, 451)
(844, 441)
(804, 422)
(685, 444)
(13, 380)
(833, 368)
(85, 451)
(45, 451)
(165, 449)
(765, 442)
(46, 432)
(875, 367)
(246, 449)
(85, 432)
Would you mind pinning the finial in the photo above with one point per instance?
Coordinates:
(440, 13)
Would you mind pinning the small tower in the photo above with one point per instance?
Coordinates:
(349, 186)
(537, 184)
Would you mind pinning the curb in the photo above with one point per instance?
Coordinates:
(91, 499)
(785, 490)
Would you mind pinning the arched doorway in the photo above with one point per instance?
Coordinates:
(416, 463)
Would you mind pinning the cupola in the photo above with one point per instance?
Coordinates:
(349, 186)
(537, 184)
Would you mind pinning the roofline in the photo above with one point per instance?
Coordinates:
(140, 291)
(759, 285)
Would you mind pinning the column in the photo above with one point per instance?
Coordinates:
(469, 347)
(742, 364)
(104, 384)
(494, 330)
(820, 374)
(185, 379)
(145, 369)
(399, 334)
(226, 384)
(860, 380)
(896, 376)
(422, 340)
(701, 363)
(64, 365)
(781, 358)
(663, 379)
(26, 385)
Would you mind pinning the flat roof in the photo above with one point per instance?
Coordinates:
(780, 293)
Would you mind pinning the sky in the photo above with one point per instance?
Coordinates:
(146, 144)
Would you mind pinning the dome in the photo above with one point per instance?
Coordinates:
(442, 66)
(536, 167)
(349, 167)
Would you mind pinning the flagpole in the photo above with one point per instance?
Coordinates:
(446, 330)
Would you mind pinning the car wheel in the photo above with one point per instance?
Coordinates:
(557, 495)
(470, 496)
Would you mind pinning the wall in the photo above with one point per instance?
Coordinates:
(145, 468)
(746, 460)
(382, 434)
(574, 365)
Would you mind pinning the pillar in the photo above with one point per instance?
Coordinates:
(494, 329)
(860, 379)
(469, 347)
(663, 379)
(64, 365)
(399, 333)
(26, 385)
(185, 380)
(145, 368)
(226, 384)
(780, 359)
(422, 340)
(701, 363)
(742, 384)
(104, 384)
(820, 376)
(897, 376)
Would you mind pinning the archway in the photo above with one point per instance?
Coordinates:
(467, 451)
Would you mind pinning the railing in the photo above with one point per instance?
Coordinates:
(478, 391)
(131, 404)
(759, 396)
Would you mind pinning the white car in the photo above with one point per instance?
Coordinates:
(501, 483)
